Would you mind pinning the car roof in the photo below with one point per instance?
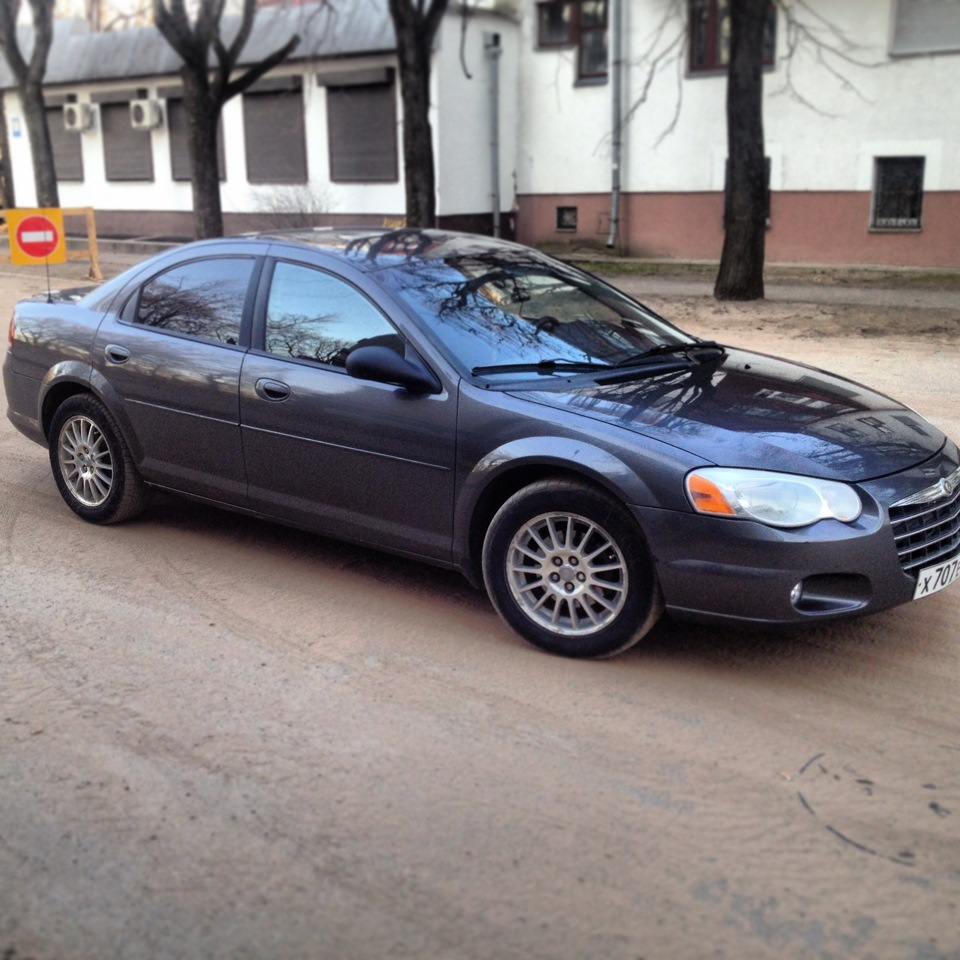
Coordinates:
(410, 243)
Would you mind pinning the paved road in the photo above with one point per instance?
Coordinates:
(221, 738)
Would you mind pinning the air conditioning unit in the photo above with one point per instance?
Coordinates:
(77, 116)
(145, 114)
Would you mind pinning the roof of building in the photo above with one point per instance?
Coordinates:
(326, 30)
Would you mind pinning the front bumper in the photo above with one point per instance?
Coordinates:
(718, 569)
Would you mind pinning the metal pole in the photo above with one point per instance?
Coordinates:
(493, 50)
(616, 69)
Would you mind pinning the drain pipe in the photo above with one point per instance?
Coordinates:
(616, 68)
(493, 50)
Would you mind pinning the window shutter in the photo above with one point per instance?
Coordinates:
(179, 152)
(275, 138)
(67, 147)
(924, 26)
(362, 128)
(127, 152)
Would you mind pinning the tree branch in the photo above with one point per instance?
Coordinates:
(249, 78)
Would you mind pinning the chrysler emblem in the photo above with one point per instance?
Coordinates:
(948, 484)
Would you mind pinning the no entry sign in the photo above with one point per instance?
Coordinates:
(36, 236)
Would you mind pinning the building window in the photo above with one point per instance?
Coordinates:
(926, 26)
(897, 193)
(67, 147)
(576, 23)
(127, 153)
(567, 218)
(274, 133)
(709, 40)
(362, 133)
(179, 151)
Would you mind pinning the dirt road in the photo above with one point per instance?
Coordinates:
(221, 738)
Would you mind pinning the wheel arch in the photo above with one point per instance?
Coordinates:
(68, 380)
(508, 469)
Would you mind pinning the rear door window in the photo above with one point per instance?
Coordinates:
(203, 299)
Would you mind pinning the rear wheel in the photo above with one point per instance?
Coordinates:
(91, 463)
(567, 568)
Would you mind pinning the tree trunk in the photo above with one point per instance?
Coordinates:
(203, 118)
(413, 50)
(741, 264)
(7, 199)
(35, 118)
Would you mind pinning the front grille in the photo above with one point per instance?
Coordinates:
(926, 526)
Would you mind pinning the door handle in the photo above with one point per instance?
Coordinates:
(272, 390)
(115, 353)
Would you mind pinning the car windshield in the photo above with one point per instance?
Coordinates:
(510, 308)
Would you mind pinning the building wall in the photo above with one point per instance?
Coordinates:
(823, 128)
(163, 207)
(463, 126)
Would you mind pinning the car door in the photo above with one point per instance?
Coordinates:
(173, 358)
(360, 460)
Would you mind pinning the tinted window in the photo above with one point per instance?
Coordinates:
(314, 316)
(203, 298)
(519, 308)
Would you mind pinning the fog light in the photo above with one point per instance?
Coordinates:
(796, 593)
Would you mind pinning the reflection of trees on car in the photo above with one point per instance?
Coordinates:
(209, 310)
(301, 337)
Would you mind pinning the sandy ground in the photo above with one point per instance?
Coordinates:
(221, 738)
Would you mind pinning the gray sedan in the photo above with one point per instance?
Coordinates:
(479, 405)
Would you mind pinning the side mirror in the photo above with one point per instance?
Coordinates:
(383, 365)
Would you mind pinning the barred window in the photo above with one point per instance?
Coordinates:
(897, 193)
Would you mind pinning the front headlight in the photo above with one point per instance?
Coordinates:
(777, 499)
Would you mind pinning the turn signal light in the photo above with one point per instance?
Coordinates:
(707, 497)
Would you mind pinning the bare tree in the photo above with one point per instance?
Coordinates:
(6, 174)
(415, 23)
(745, 215)
(206, 89)
(740, 276)
(29, 75)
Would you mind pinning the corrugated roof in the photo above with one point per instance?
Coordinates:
(336, 29)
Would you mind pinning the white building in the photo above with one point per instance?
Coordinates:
(859, 113)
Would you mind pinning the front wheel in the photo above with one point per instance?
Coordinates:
(568, 569)
(93, 468)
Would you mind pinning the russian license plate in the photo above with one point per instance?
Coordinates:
(932, 579)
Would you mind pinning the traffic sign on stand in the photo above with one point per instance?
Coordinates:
(36, 236)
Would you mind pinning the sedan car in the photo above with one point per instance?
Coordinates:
(479, 405)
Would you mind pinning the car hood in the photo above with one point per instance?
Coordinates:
(750, 410)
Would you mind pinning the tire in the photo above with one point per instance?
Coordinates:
(91, 463)
(566, 567)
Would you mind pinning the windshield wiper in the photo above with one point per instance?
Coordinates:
(667, 348)
(542, 367)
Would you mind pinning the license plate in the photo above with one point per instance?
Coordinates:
(932, 579)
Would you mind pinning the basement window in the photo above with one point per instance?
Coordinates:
(897, 193)
(567, 218)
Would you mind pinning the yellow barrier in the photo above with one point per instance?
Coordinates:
(89, 252)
